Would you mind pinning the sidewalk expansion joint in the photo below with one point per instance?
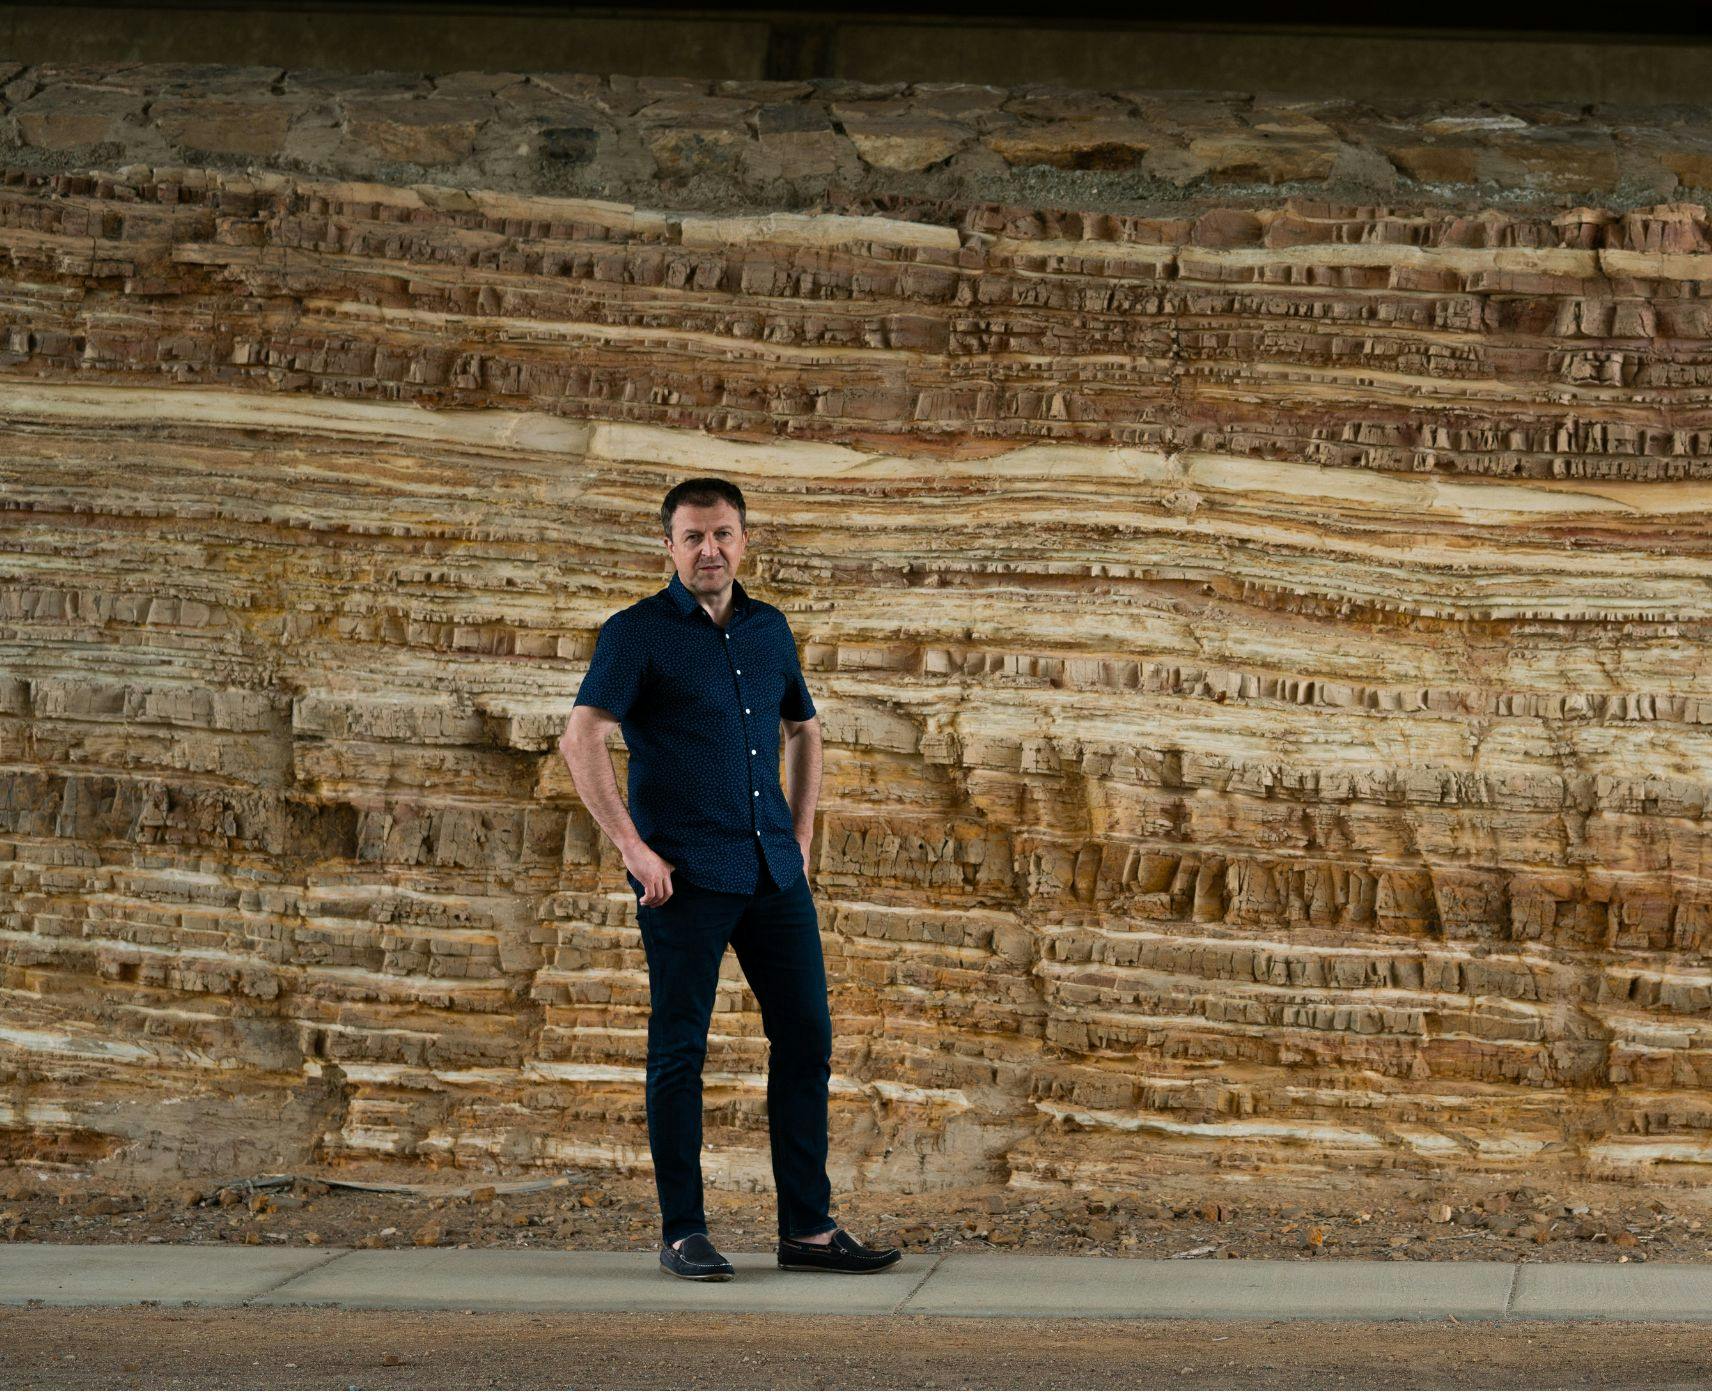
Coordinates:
(1510, 1295)
(328, 1260)
(925, 1276)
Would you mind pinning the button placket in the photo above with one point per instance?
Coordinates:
(738, 671)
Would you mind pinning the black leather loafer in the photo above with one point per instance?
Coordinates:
(844, 1253)
(697, 1260)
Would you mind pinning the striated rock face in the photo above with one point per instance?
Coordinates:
(1262, 650)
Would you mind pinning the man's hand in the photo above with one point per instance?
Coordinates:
(804, 844)
(653, 871)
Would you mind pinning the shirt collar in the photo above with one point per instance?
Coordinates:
(687, 603)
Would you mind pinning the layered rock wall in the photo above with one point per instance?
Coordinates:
(1261, 641)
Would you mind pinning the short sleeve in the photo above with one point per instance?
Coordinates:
(796, 703)
(614, 678)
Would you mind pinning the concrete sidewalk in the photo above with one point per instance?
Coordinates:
(954, 1283)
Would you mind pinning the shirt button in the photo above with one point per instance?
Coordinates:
(727, 637)
(739, 671)
(757, 792)
(751, 751)
(746, 710)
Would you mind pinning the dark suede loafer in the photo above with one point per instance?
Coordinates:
(844, 1253)
(697, 1260)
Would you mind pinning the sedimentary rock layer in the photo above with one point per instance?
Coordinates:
(700, 144)
(1261, 653)
(1552, 345)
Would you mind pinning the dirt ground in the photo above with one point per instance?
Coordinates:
(1196, 1218)
(302, 1347)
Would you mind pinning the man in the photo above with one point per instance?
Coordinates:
(699, 677)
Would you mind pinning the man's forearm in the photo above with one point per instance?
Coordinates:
(802, 769)
(591, 771)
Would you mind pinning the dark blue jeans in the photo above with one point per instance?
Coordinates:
(776, 935)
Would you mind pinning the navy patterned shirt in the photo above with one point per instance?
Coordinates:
(699, 707)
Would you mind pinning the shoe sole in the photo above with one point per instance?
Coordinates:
(685, 1276)
(838, 1270)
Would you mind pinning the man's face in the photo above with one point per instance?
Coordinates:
(707, 544)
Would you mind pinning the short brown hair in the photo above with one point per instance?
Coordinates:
(702, 492)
